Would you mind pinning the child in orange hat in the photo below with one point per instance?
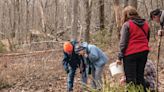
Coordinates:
(71, 62)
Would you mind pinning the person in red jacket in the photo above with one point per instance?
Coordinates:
(134, 47)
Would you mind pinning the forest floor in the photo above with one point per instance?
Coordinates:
(40, 72)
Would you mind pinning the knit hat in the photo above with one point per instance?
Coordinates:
(68, 48)
(78, 48)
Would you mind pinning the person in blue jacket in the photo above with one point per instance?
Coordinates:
(95, 59)
(71, 61)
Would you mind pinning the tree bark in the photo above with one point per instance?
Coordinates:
(42, 16)
(88, 5)
(117, 10)
(56, 17)
(33, 13)
(162, 3)
(102, 17)
(27, 19)
(75, 20)
(2, 24)
(126, 3)
(133, 3)
(17, 22)
(157, 5)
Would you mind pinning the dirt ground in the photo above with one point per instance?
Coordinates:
(40, 72)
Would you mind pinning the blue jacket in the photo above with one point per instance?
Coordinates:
(95, 55)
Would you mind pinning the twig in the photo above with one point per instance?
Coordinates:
(34, 52)
(159, 45)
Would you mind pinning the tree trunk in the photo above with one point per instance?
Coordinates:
(27, 19)
(133, 3)
(14, 20)
(157, 5)
(130, 2)
(56, 17)
(102, 17)
(2, 24)
(117, 10)
(75, 20)
(162, 3)
(33, 13)
(125, 3)
(17, 22)
(42, 16)
(88, 5)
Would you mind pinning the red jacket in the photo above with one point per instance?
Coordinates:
(138, 41)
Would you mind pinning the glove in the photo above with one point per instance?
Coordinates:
(89, 70)
(160, 32)
(67, 70)
(119, 62)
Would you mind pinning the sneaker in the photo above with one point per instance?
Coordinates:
(70, 90)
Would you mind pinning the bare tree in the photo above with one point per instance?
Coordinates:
(2, 24)
(157, 4)
(133, 3)
(17, 21)
(42, 16)
(27, 18)
(102, 17)
(117, 10)
(61, 19)
(88, 5)
(33, 13)
(56, 15)
(75, 20)
(126, 3)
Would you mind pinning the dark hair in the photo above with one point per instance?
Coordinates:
(156, 12)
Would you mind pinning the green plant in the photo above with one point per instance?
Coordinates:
(107, 87)
(4, 85)
(2, 48)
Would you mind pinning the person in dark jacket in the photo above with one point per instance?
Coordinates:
(157, 15)
(134, 46)
(71, 62)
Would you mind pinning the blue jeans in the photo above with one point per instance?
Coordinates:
(70, 78)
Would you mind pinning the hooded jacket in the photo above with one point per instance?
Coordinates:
(96, 56)
(133, 39)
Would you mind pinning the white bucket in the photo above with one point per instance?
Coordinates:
(116, 69)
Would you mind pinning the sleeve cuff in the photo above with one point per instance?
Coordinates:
(120, 57)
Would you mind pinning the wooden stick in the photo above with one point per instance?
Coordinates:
(158, 57)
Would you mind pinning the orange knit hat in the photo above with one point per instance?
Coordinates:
(68, 48)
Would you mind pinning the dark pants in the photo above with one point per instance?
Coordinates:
(134, 68)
